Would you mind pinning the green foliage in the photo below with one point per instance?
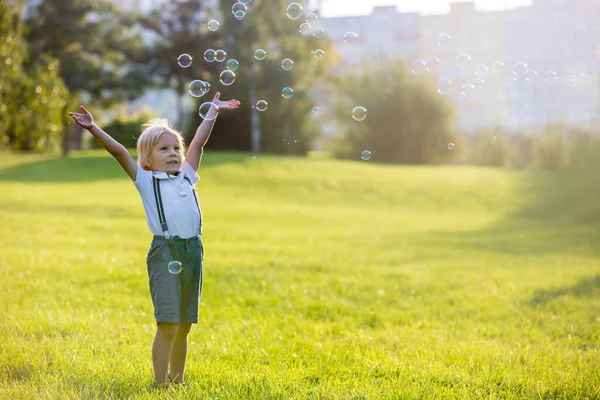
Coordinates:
(407, 121)
(126, 128)
(488, 147)
(31, 102)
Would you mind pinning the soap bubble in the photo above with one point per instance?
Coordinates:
(208, 111)
(482, 71)
(318, 32)
(239, 15)
(260, 54)
(227, 77)
(175, 267)
(294, 11)
(511, 82)
(184, 60)
(319, 54)
(350, 38)
(365, 155)
(444, 86)
(261, 105)
(443, 39)
(239, 9)
(419, 67)
(432, 63)
(287, 92)
(287, 64)
(498, 67)
(520, 69)
(197, 88)
(232, 65)
(209, 55)
(220, 55)
(463, 60)
(450, 146)
(316, 111)
(213, 25)
(310, 17)
(551, 77)
(359, 113)
(305, 29)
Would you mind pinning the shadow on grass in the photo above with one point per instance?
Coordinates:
(93, 166)
(584, 288)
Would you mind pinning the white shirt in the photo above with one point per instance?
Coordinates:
(178, 201)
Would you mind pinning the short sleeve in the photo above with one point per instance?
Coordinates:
(143, 178)
(191, 173)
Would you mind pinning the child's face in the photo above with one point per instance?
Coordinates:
(166, 155)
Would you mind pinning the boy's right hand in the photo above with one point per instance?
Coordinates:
(84, 120)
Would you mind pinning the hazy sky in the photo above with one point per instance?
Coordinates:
(339, 8)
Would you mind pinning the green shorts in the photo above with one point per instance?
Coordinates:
(175, 294)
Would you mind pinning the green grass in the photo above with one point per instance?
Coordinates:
(323, 280)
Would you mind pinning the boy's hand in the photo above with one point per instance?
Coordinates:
(85, 120)
(225, 105)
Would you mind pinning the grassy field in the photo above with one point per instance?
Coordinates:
(323, 280)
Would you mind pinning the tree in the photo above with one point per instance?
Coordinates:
(98, 47)
(30, 103)
(407, 120)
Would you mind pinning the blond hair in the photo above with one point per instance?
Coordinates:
(149, 138)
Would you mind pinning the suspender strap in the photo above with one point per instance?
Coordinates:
(159, 207)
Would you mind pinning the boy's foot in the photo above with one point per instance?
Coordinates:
(175, 383)
(156, 386)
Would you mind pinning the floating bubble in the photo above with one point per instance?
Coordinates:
(316, 111)
(482, 71)
(245, 1)
(305, 28)
(551, 77)
(531, 74)
(260, 54)
(310, 17)
(511, 82)
(359, 113)
(287, 92)
(175, 267)
(444, 39)
(450, 146)
(227, 77)
(232, 65)
(261, 105)
(463, 60)
(184, 60)
(478, 82)
(294, 10)
(287, 64)
(468, 89)
(520, 69)
(419, 67)
(318, 32)
(239, 8)
(444, 86)
(365, 155)
(206, 87)
(350, 38)
(209, 55)
(433, 63)
(208, 111)
(319, 54)
(494, 138)
(239, 15)
(220, 55)
(498, 67)
(197, 88)
(213, 25)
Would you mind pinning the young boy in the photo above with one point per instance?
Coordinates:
(165, 178)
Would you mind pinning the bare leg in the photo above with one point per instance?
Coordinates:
(179, 352)
(161, 351)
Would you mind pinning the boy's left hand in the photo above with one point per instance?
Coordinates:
(225, 105)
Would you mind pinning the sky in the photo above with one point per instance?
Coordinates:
(342, 8)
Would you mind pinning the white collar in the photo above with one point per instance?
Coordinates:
(164, 175)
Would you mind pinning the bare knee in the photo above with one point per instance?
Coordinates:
(167, 330)
(184, 329)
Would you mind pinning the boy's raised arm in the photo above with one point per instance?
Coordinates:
(115, 148)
